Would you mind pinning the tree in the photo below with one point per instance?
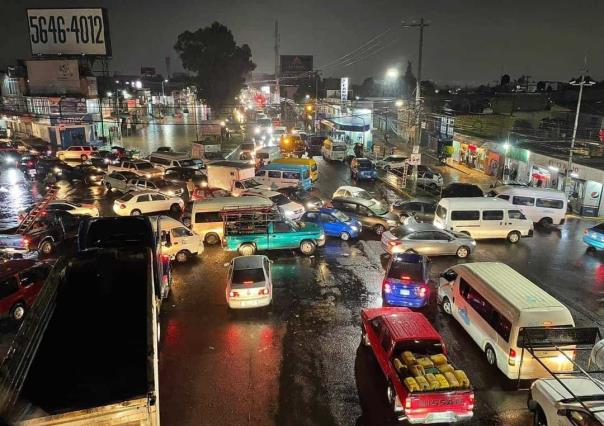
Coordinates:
(409, 81)
(220, 65)
(505, 80)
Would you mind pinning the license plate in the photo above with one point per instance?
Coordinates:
(405, 293)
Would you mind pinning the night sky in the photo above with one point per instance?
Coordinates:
(468, 41)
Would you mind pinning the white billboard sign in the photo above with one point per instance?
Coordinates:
(344, 89)
(69, 32)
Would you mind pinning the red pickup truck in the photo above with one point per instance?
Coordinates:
(422, 385)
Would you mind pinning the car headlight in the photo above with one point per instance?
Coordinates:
(170, 193)
(354, 228)
(473, 243)
(310, 205)
(56, 170)
(391, 222)
(8, 160)
(148, 175)
(289, 213)
(256, 130)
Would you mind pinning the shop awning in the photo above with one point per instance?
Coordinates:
(347, 124)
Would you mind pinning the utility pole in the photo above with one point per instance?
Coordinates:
(418, 102)
(277, 88)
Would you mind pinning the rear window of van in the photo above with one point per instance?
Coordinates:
(465, 215)
(549, 203)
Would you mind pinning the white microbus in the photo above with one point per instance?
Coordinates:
(207, 221)
(166, 160)
(268, 154)
(483, 218)
(493, 303)
(542, 205)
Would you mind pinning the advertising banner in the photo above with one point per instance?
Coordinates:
(296, 64)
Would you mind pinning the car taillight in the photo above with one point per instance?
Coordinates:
(512, 357)
(122, 206)
(585, 231)
(263, 292)
(233, 294)
(407, 404)
(387, 288)
(25, 242)
(405, 278)
(393, 243)
(423, 290)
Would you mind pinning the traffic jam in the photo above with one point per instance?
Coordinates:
(253, 208)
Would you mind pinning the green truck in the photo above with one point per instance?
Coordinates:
(248, 232)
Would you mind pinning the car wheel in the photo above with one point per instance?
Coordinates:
(135, 212)
(345, 236)
(182, 256)
(390, 394)
(539, 418)
(307, 247)
(379, 229)
(386, 169)
(46, 247)
(18, 311)
(590, 249)
(490, 354)
(247, 249)
(433, 186)
(514, 237)
(212, 239)
(108, 186)
(546, 221)
(175, 208)
(447, 306)
(462, 252)
(84, 157)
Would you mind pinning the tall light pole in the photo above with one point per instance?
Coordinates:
(581, 81)
(163, 94)
(391, 74)
(418, 129)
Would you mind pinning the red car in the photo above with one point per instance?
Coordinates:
(422, 384)
(20, 282)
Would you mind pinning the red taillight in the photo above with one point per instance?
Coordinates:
(387, 288)
(393, 243)
(423, 291)
(512, 357)
(263, 292)
(30, 164)
(122, 206)
(586, 231)
(248, 282)
(405, 278)
(233, 294)
(25, 242)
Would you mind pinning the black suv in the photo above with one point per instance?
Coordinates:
(51, 166)
(457, 189)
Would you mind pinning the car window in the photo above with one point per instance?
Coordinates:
(247, 276)
(327, 218)
(465, 215)
(504, 197)
(549, 203)
(282, 227)
(181, 232)
(523, 201)
(8, 286)
(492, 215)
(424, 235)
(274, 174)
(261, 173)
(516, 214)
(33, 275)
(349, 207)
(143, 198)
(429, 208)
(364, 211)
(415, 207)
(157, 197)
(386, 341)
(440, 236)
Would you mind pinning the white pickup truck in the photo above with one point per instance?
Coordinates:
(236, 177)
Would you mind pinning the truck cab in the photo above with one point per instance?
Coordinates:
(422, 384)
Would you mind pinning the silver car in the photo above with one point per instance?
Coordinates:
(160, 185)
(427, 239)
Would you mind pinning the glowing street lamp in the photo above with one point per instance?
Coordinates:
(399, 103)
(392, 73)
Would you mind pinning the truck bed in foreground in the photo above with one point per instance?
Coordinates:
(96, 355)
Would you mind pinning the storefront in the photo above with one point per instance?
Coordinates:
(353, 127)
(469, 151)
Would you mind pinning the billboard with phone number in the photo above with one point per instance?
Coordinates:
(69, 31)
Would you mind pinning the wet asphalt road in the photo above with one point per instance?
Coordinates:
(299, 362)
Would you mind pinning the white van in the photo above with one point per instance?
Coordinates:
(268, 154)
(334, 150)
(178, 241)
(165, 160)
(493, 303)
(483, 218)
(206, 219)
(542, 205)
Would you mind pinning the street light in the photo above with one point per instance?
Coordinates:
(392, 73)
(584, 80)
(307, 96)
(399, 103)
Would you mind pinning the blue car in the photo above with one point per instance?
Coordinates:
(594, 237)
(362, 168)
(406, 281)
(334, 223)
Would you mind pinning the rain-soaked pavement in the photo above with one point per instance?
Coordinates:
(300, 361)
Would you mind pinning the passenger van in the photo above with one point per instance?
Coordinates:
(483, 218)
(206, 219)
(542, 205)
(165, 160)
(178, 241)
(279, 176)
(312, 165)
(268, 154)
(494, 303)
(334, 150)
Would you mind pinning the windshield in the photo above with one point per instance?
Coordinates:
(213, 155)
(280, 199)
(401, 232)
(262, 155)
(161, 183)
(406, 271)
(248, 146)
(247, 276)
(126, 197)
(251, 183)
(338, 148)
(365, 164)
(143, 166)
(363, 194)
(187, 163)
(265, 122)
(340, 216)
(378, 208)
(305, 174)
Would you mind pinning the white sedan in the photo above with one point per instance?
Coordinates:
(75, 209)
(354, 192)
(138, 202)
(289, 208)
(391, 162)
(249, 282)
